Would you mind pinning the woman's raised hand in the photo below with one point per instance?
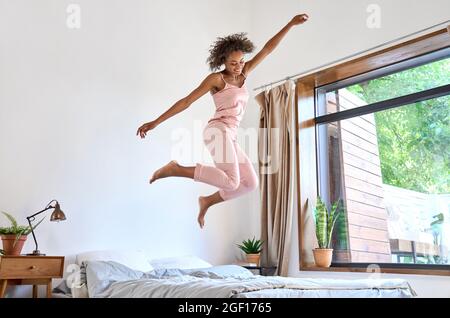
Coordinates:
(142, 131)
(299, 19)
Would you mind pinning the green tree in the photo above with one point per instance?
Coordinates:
(413, 140)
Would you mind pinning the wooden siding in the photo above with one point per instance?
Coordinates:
(364, 196)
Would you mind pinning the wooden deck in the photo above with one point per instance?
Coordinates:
(410, 247)
(413, 249)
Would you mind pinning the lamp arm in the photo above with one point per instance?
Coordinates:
(32, 232)
(32, 216)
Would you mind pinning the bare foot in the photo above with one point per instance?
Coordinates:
(203, 205)
(166, 171)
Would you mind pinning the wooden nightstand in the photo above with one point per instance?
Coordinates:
(30, 270)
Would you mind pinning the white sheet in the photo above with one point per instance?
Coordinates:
(109, 279)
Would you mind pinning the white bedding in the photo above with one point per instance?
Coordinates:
(110, 279)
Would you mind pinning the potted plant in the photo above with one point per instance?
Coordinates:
(325, 221)
(252, 248)
(14, 236)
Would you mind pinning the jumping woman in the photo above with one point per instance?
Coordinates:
(233, 172)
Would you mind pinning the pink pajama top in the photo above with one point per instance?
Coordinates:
(230, 104)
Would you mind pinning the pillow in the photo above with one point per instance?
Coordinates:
(136, 260)
(101, 274)
(160, 273)
(181, 262)
(223, 271)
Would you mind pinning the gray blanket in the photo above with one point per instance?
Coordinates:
(110, 279)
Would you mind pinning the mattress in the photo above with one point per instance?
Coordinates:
(107, 279)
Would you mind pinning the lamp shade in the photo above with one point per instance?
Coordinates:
(58, 214)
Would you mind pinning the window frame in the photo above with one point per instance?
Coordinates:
(416, 52)
(389, 103)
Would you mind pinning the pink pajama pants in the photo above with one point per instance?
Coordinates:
(233, 173)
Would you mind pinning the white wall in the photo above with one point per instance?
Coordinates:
(71, 101)
(337, 29)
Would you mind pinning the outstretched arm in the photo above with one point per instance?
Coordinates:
(183, 104)
(273, 43)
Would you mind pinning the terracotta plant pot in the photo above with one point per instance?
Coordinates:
(253, 259)
(323, 256)
(11, 246)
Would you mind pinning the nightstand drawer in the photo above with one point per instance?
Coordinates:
(31, 267)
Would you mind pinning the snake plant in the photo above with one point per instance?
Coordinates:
(325, 221)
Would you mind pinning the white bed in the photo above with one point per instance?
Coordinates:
(112, 274)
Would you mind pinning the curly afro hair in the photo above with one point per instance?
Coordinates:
(220, 50)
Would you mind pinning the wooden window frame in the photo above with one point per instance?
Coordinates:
(306, 162)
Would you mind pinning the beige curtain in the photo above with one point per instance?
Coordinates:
(275, 147)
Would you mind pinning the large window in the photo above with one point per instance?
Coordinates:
(383, 148)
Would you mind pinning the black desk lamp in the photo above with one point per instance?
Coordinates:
(57, 215)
